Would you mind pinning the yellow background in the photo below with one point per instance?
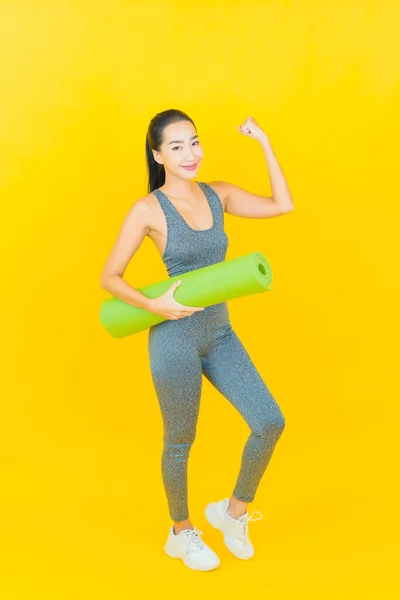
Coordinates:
(82, 504)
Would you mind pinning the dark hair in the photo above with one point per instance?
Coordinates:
(154, 139)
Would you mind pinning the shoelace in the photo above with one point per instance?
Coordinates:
(243, 524)
(194, 540)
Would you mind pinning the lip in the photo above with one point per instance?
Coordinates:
(191, 168)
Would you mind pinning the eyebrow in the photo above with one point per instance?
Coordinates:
(182, 141)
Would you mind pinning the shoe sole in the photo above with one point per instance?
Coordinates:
(173, 553)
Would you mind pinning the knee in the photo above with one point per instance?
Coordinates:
(184, 437)
(177, 451)
(273, 426)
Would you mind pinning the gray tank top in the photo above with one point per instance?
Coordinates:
(186, 248)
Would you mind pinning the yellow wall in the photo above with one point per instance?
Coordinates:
(81, 435)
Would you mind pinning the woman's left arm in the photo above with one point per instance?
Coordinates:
(243, 203)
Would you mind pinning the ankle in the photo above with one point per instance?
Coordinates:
(177, 527)
(236, 508)
(236, 515)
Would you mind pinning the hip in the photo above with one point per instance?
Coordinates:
(212, 318)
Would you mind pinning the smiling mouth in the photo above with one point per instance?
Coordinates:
(190, 166)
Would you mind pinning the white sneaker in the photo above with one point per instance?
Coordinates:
(235, 531)
(189, 547)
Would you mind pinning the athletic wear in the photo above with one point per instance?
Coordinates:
(182, 351)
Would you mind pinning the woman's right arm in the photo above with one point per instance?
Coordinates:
(131, 235)
(135, 227)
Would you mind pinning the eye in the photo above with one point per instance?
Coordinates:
(176, 147)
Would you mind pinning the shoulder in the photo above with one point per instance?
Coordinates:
(221, 189)
(144, 210)
(144, 205)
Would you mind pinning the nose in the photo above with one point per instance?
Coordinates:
(190, 159)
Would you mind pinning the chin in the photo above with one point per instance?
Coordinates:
(188, 174)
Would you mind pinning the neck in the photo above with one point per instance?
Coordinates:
(177, 187)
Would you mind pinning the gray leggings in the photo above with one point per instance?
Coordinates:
(180, 352)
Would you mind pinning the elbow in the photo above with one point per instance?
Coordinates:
(288, 209)
(104, 281)
(103, 284)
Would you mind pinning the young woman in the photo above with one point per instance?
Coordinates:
(185, 220)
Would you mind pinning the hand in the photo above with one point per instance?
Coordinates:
(166, 305)
(251, 129)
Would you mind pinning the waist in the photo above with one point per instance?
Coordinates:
(211, 317)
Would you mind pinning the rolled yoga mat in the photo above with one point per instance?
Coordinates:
(242, 276)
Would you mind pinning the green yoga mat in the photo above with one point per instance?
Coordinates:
(234, 278)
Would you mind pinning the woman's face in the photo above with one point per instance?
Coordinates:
(180, 148)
